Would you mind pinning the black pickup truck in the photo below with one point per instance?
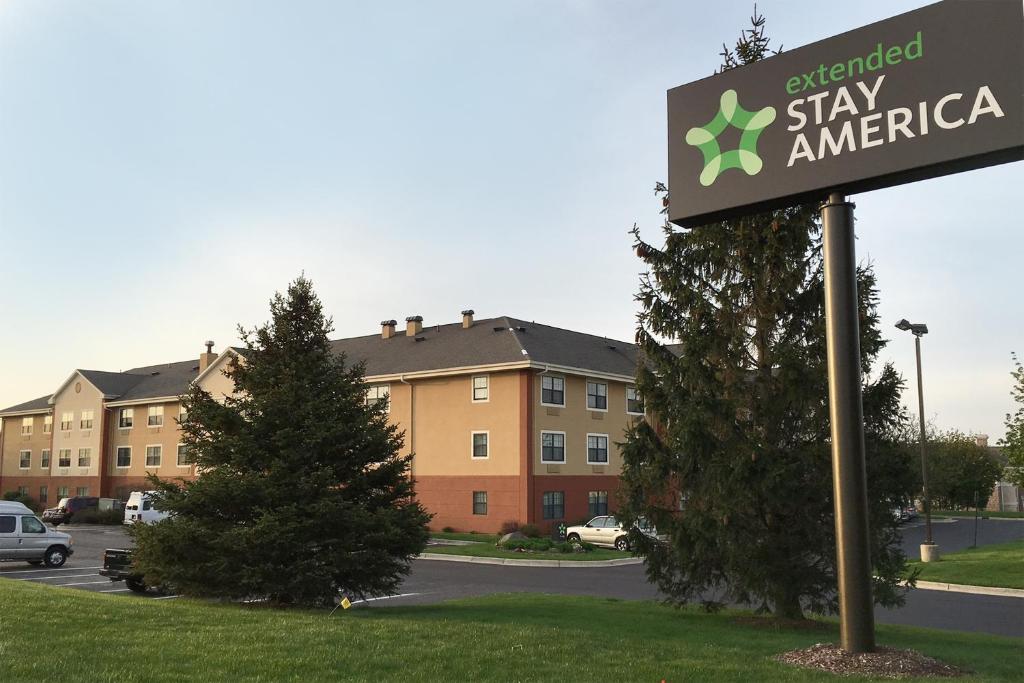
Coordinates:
(117, 566)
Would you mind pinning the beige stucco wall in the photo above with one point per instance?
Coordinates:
(15, 442)
(77, 396)
(140, 436)
(446, 417)
(577, 421)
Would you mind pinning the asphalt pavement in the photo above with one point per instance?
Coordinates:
(434, 581)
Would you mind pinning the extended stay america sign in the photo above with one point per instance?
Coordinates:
(927, 93)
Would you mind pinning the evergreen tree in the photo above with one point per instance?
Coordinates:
(735, 466)
(960, 472)
(1013, 442)
(302, 492)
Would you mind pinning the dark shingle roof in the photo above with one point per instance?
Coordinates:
(155, 381)
(558, 346)
(111, 383)
(41, 403)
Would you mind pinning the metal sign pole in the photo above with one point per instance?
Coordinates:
(849, 480)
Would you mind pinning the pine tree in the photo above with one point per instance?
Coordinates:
(302, 492)
(740, 438)
(1013, 442)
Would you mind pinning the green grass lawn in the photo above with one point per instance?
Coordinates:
(463, 536)
(488, 550)
(983, 513)
(60, 634)
(1000, 565)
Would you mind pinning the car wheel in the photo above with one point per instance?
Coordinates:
(622, 543)
(55, 557)
(35, 563)
(573, 538)
(135, 585)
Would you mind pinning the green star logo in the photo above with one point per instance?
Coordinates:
(705, 138)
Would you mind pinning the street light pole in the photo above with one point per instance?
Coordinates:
(924, 457)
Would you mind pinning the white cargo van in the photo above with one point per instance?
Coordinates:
(140, 508)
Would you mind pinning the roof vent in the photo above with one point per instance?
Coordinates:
(420, 338)
(153, 374)
(499, 329)
(413, 325)
(467, 318)
(521, 329)
(387, 328)
(611, 346)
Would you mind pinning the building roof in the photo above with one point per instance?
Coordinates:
(157, 381)
(111, 383)
(37, 404)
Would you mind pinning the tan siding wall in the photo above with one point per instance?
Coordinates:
(139, 437)
(576, 421)
(14, 443)
(89, 398)
(215, 383)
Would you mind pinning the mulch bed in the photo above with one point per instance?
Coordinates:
(886, 662)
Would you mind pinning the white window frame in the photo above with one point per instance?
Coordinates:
(62, 492)
(48, 424)
(90, 419)
(182, 413)
(565, 456)
(607, 449)
(634, 389)
(27, 422)
(88, 454)
(486, 388)
(565, 398)
(597, 382)
(485, 501)
(472, 445)
(155, 411)
(177, 453)
(59, 452)
(45, 455)
(126, 414)
(160, 456)
(21, 454)
(117, 457)
(387, 395)
(67, 421)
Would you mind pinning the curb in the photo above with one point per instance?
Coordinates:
(529, 563)
(974, 590)
(88, 527)
(981, 518)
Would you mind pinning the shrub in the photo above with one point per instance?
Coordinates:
(26, 500)
(93, 516)
(530, 530)
(448, 530)
(509, 527)
(546, 545)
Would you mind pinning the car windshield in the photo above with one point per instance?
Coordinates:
(63, 503)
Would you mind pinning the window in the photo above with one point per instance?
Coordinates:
(597, 503)
(156, 416)
(481, 389)
(479, 502)
(597, 449)
(6, 524)
(64, 457)
(82, 491)
(552, 390)
(480, 444)
(47, 424)
(182, 414)
(124, 456)
(66, 420)
(552, 446)
(183, 459)
(153, 455)
(23, 491)
(597, 395)
(126, 419)
(31, 525)
(44, 458)
(554, 504)
(43, 493)
(86, 422)
(62, 492)
(634, 405)
(84, 457)
(26, 426)
(378, 393)
(25, 459)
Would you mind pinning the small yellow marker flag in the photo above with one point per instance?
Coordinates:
(345, 603)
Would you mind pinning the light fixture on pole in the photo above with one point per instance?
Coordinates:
(929, 550)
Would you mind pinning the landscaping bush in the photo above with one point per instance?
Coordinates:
(509, 527)
(98, 517)
(448, 530)
(546, 545)
(26, 500)
(530, 530)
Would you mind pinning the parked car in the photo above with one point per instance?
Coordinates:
(67, 508)
(140, 508)
(117, 566)
(24, 537)
(607, 531)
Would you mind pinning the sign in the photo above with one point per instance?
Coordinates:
(927, 93)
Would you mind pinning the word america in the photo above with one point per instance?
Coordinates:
(856, 66)
(897, 121)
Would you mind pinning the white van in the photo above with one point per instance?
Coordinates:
(140, 508)
(13, 507)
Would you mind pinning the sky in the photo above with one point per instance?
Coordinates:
(165, 167)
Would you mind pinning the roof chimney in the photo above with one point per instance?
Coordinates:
(387, 328)
(205, 359)
(413, 325)
(981, 440)
(467, 318)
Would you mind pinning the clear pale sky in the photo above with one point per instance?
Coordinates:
(166, 166)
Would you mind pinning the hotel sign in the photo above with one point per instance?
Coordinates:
(931, 92)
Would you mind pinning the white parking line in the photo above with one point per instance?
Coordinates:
(52, 578)
(36, 571)
(167, 597)
(84, 583)
(386, 597)
(115, 590)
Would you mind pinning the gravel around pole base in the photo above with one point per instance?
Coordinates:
(885, 662)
